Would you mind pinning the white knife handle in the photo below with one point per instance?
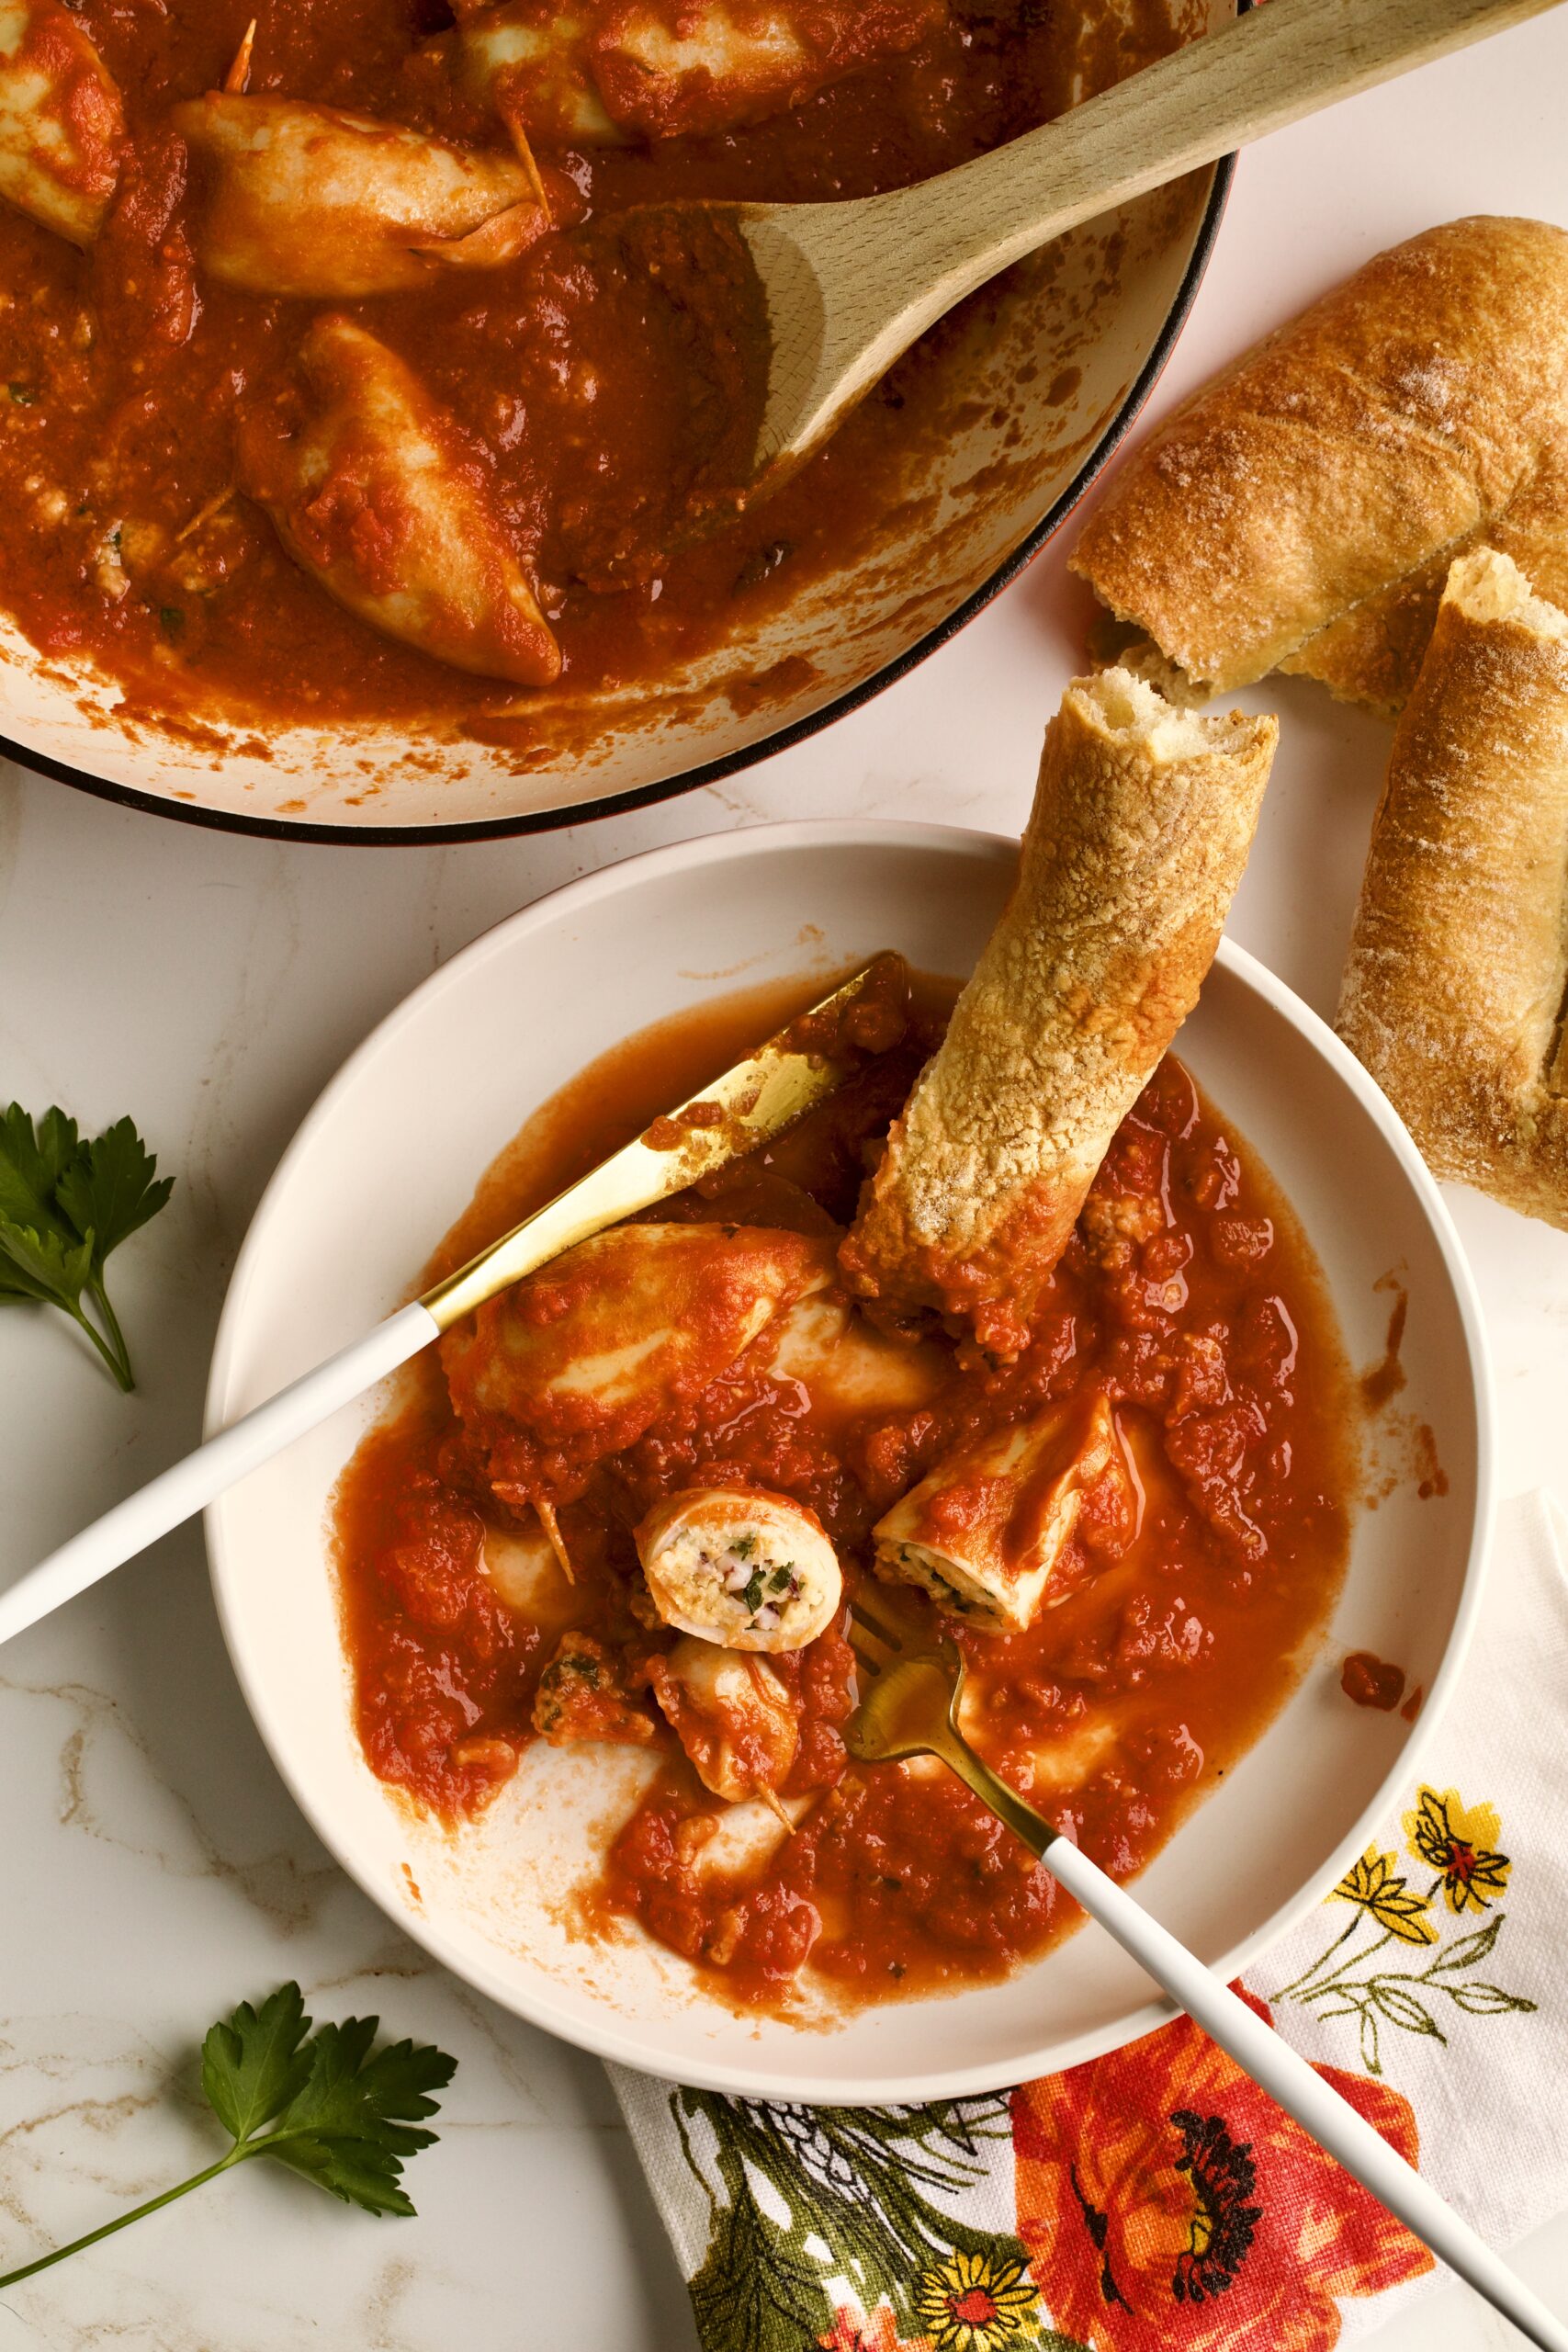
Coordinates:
(188, 1486)
(1332, 2121)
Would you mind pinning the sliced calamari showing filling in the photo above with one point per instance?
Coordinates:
(749, 1570)
(582, 1697)
(985, 1532)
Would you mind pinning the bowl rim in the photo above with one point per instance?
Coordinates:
(609, 2038)
(783, 739)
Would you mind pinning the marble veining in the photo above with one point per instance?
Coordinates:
(155, 1870)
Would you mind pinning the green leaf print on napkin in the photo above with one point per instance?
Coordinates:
(821, 2215)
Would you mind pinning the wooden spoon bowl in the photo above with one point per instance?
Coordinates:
(847, 288)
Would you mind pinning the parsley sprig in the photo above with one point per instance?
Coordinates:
(65, 1203)
(326, 2104)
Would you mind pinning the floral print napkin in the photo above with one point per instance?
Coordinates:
(1154, 2199)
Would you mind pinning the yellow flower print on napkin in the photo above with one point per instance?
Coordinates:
(1459, 1844)
(976, 2302)
(1379, 1987)
(1373, 1888)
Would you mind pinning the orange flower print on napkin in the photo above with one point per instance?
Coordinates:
(853, 2331)
(1170, 2206)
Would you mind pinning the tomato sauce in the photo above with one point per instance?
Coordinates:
(127, 368)
(1178, 1638)
(1368, 1680)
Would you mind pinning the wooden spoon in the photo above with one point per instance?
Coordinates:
(849, 286)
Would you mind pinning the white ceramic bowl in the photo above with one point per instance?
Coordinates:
(1036, 379)
(388, 1159)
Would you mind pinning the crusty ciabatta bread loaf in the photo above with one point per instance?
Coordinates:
(1453, 994)
(1302, 509)
(1142, 823)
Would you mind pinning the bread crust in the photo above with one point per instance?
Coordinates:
(1372, 653)
(1338, 468)
(1142, 823)
(1453, 992)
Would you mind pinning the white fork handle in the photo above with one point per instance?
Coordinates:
(1332, 2121)
(188, 1486)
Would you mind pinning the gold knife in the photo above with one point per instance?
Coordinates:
(755, 1100)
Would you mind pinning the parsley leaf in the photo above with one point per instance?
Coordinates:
(64, 1205)
(329, 2105)
(751, 1597)
(253, 2065)
(356, 2117)
(108, 1190)
(33, 1160)
(40, 1264)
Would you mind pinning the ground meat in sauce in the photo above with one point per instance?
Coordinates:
(1178, 1639)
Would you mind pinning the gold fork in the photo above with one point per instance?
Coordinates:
(910, 1691)
(908, 1706)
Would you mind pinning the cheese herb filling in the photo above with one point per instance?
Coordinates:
(746, 1570)
(761, 1594)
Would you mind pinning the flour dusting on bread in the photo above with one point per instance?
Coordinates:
(1142, 821)
(1302, 510)
(1454, 992)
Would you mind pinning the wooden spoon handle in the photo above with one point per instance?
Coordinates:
(947, 235)
(1269, 68)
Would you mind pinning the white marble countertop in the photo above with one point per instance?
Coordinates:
(155, 1870)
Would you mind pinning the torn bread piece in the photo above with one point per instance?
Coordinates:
(1384, 428)
(985, 1532)
(1142, 823)
(1454, 990)
(1371, 654)
(311, 202)
(748, 1570)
